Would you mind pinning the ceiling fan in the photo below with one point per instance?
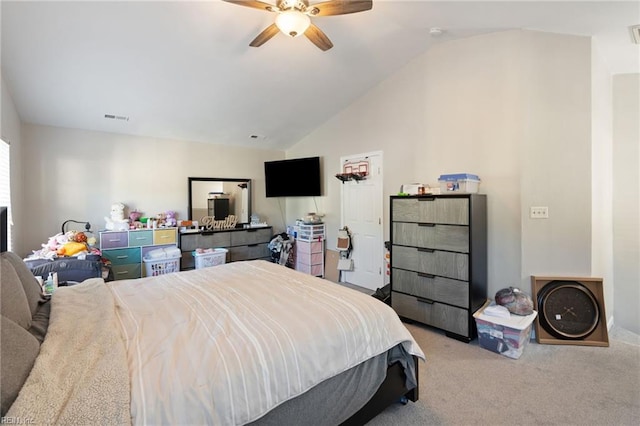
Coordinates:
(294, 17)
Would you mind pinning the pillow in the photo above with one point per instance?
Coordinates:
(40, 321)
(17, 356)
(31, 287)
(13, 300)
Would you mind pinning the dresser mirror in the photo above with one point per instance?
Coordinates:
(220, 197)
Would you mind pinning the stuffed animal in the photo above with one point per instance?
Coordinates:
(134, 220)
(171, 218)
(161, 220)
(116, 221)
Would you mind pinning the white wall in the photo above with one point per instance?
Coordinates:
(626, 199)
(556, 155)
(602, 177)
(10, 132)
(513, 107)
(76, 174)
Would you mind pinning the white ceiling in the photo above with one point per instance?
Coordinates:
(184, 70)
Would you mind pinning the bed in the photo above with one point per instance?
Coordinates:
(243, 343)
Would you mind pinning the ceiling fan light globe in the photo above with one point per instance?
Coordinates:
(292, 22)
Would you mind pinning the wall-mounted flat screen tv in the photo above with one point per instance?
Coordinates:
(298, 177)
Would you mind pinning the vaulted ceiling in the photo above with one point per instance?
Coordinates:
(184, 70)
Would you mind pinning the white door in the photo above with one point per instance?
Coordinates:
(362, 204)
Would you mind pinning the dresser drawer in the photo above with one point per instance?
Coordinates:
(439, 289)
(164, 236)
(123, 256)
(249, 252)
(443, 237)
(125, 272)
(449, 318)
(434, 262)
(445, 210)
(250, 236)
(114, 239)
(140, 238)
(190, 242)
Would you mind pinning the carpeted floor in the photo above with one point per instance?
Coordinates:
(465, 384)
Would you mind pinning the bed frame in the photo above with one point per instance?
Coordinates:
(391, 390)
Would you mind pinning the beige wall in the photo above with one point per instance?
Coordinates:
(602, 177)
(76, 174)
(626, 199)
(513, 107)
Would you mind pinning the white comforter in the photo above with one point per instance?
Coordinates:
(225, 345)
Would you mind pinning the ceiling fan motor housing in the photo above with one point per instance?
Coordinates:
(299, 5)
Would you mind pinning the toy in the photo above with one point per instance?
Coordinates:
(134, 220)
(171, 218)
(71, 243)
(117, 222)
(160, 220)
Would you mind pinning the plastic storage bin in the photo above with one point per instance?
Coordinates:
(162, 261)
(505, 336)
(459, 182)
(310, 232)
(206, 259)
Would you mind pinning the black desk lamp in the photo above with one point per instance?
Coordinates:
(87, 225)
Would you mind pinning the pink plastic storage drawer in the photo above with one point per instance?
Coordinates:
(309, 269)
(310, 258)
(309, 247)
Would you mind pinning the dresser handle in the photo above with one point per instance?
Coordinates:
(423, 300)
(115, 241)
(430, 225)
(122, 272)
(141, 238)
(121, 257)
(425, 250)
(426, 198)
(252, 245)
(423, 275)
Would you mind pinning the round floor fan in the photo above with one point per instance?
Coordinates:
(294, 17)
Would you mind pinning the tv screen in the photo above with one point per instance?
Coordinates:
(299, 177)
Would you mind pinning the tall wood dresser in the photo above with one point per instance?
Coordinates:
(439, 260)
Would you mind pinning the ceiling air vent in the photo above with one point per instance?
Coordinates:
(635, 33)
(116, 117)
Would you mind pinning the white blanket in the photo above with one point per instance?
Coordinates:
(80, 376)
(225, 345)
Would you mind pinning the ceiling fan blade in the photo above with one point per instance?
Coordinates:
(339, 7)
(255, 4)
(265, 36)
(318, 38)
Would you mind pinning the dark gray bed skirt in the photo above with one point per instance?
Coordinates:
(338, 398)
